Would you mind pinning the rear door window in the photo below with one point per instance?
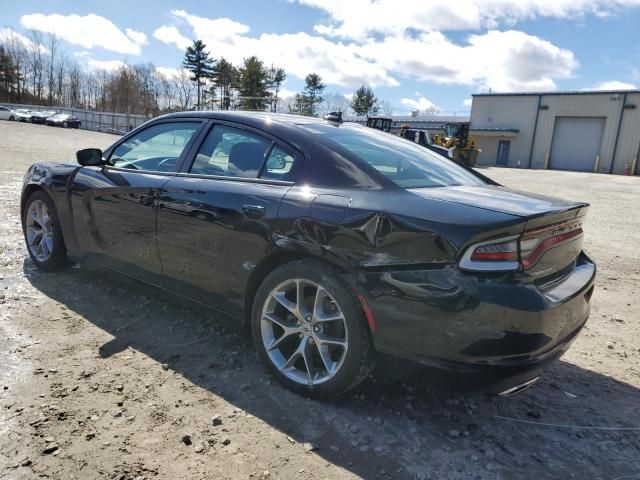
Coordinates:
(233, 152)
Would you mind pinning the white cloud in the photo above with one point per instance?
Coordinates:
(171, 73)
(422, 104)
(138, 38)
(171, 35)
(467, 102)
(503, 61)
(7, 35)
(88, 31)
(612, 85)
(299, 53)
(360, 18)
(107, 65)
(286, 93)
(220, 28)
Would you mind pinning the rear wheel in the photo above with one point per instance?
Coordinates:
(42, 232)
(309, 330)
(65, 124)
(12, 118)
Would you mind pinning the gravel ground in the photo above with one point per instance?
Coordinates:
(102, 379)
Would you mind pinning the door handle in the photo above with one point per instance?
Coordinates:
(146, 199)
(255, 212)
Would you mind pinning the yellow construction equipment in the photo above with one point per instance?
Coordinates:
(457, 142)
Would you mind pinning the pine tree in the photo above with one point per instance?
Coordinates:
(312, 95)
(225, 77)
(364, 102)
(275, 78)
(199, 62)
(254, 94)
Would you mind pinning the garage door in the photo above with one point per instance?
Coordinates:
(576, 143)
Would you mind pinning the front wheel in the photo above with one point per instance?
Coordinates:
(309, 330)
(12, 118)
(42, 232)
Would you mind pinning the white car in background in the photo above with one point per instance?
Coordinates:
(22, 115)
(7, 114)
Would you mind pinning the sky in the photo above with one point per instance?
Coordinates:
(414, 54)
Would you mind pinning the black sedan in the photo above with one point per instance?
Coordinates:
(41, 117)
(332, 242)
(63, 120)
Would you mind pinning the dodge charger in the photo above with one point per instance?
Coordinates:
(334, 244)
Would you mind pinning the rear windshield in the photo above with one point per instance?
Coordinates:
(405, 163)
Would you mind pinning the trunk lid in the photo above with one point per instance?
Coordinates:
(552, 237)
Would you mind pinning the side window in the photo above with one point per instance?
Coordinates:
(278, 166)
(231, 152)
(156, 148)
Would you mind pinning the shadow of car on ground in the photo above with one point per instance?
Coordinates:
(400, 421)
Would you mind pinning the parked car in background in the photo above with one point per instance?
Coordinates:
(63, 120)
(7, 114)
(41, 117)
(23, 115)
(332, 242)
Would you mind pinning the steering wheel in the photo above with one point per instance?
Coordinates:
(168, 163)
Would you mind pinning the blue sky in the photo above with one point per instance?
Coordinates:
(414, 54)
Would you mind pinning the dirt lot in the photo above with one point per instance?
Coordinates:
(102, 379)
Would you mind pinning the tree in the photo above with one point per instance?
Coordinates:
(275, 78)
(364, 102)
(253, 91)
(336, 102)
(225, 75)
(9, 76)
(312, 94)
(199, 62)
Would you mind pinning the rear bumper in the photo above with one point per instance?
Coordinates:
(443, 317)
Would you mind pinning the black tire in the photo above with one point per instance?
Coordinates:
(12, 118)
(360, 356)
(58, 258)
(65, 124)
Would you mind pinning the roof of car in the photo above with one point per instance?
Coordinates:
(251, 117)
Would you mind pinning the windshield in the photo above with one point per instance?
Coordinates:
(405, 163)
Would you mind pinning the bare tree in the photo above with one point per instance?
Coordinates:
(185, 90)
(52, 45)
(336, 102)
(35, 52)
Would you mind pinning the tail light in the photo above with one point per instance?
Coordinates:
(519, 251)
(495, 255)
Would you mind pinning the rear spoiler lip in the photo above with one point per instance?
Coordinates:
(556, 216)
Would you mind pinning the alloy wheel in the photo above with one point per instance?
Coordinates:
(304, 332)
(39, 230)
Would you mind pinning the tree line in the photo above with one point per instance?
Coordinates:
(37, 71)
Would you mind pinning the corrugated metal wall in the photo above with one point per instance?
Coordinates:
(621, 131)
(596, 105)
(505, 112)
(629, 138)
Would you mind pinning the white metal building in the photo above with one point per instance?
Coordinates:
(591, 131)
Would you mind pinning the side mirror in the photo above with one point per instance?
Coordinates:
(276, 163)
(89, 157)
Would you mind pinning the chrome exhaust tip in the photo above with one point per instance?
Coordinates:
(519, 388)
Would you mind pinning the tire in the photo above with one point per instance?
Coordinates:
(53, 254)
(12, 118)
(64, 125)
(342, 367)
